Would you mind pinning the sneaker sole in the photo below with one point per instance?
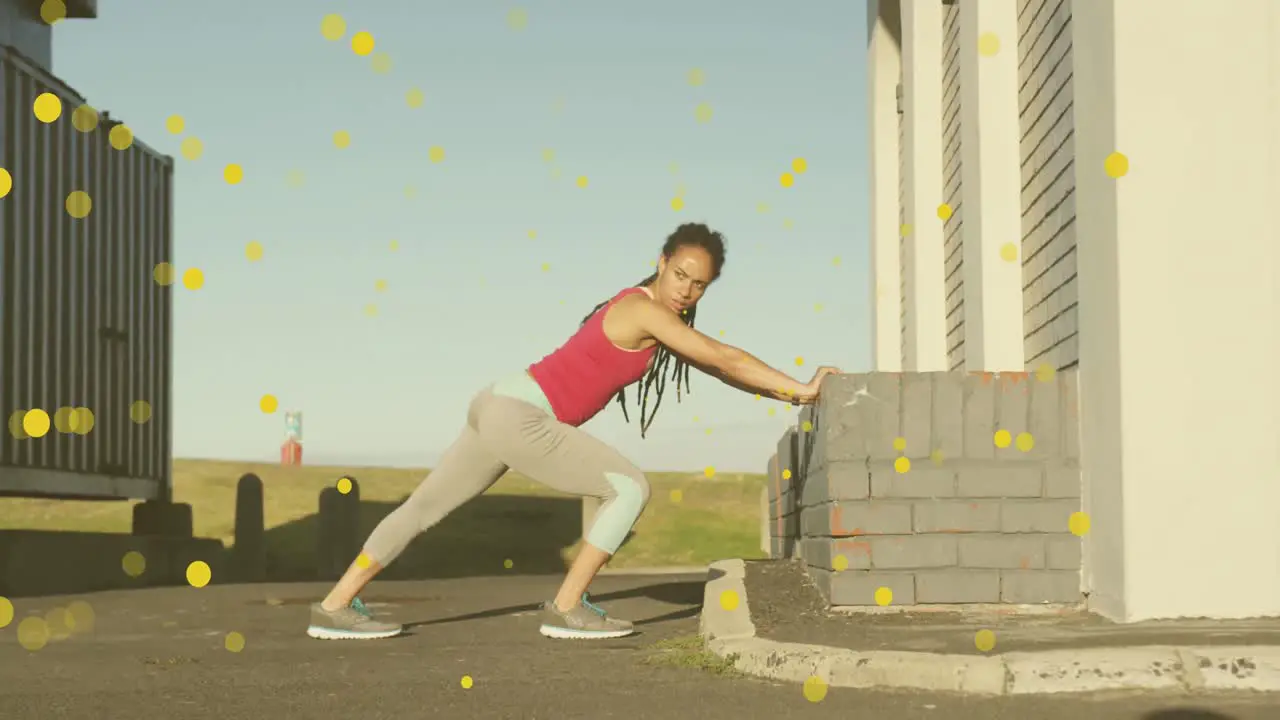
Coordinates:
(560, 633)
(321, 633)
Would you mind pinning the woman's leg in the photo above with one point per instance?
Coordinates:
(567, 459)
(465, 471)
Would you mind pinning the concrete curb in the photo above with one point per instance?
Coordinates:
(730, 633)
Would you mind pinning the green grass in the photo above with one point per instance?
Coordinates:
(689, 652)
(707, 520)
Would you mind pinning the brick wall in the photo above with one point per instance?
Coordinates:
(966, 522)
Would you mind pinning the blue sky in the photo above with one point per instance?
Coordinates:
(605, 86)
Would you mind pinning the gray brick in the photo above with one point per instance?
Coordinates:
(822, 552)
(858, 587)
(807, 459)
(948, 414)
(979, 416)
(788, 449)
(837, 430)
(786, 525)
(1062, 481)
(1013, 398)
(954, 516)
(785, 506)
(997, 481)
(1025, 552)
(879, 414)
(837, 480)
(1039, 586)
(913, 551)
(773, 478)
(917, 413)
(1068, 383)
(1064, 552)
(1044, 422)
(957, 586)
(846, 519)
(1047, 516)
(923, 480)
(782, 547)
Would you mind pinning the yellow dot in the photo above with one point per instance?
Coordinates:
(79, 204)
(902, 465)
(81, 616)
(702, 113)
(371, 310)
(234, 642)
(677, 496)
(984, 640)
(6, 612)
(786, 474)
(467, 682)
(414, 98)
(1078, 523)
(815, 689)
(233, 174)
(140, 411)
(836, 261)
(772, 411)
(191, 148)
(548, 155)
(1002, 438)
(729, 600)
(253, 251)
(677, 203)
(697, 77)
(362, 43)
(193, 279)
(342, 139)
(64, 420)
(806, 426)
(788, 224)
(15, 425)
(799, 361)
(840, 563)
(333, 27)
(944, 211)
(1009, 252)
(33, 633)
(381, 63)
(762, 207)
(905, 229)
(133, 563)
(508, 564)
(435, 154)
(268, 403)
(884, 596)
(120, 137)
(199, 574)
(394, 245)
(363, 562)
(1116, 165)
(1045, 372)
(52, 11)
(344, 485)
(546, 267)
(936, 457)
(47, 107)
(1024, 442)
(82, 420)
(164, 273)
(800, 166)
(6, 182)
(786, 180)
(709, 471)
(517, 18)
(175, 124)
(84, 119)
(899, 444)
(36, 423)
(582, 181)
(988, 44)
(59, 623)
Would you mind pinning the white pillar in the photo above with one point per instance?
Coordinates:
(884, 64)
(926, 345)
(1179, 310)
(991, 175)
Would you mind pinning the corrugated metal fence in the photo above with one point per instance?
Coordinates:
(85, 329)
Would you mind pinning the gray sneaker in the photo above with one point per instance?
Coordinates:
(584, 622)
(354, 622)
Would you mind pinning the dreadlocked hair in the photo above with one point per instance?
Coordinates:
(686, 235)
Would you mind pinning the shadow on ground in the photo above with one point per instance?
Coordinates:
(489, 536)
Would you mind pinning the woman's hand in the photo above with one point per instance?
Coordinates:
(809, 395)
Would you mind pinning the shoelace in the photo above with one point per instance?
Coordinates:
(593, 608)
(359, 607)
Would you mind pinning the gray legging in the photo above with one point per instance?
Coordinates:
(510, 425)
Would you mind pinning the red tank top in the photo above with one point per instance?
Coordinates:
(584, 374)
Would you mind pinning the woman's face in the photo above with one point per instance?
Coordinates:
(684, 277)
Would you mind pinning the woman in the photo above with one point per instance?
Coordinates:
(530, 423)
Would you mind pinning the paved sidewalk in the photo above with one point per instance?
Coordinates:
(792, 637)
